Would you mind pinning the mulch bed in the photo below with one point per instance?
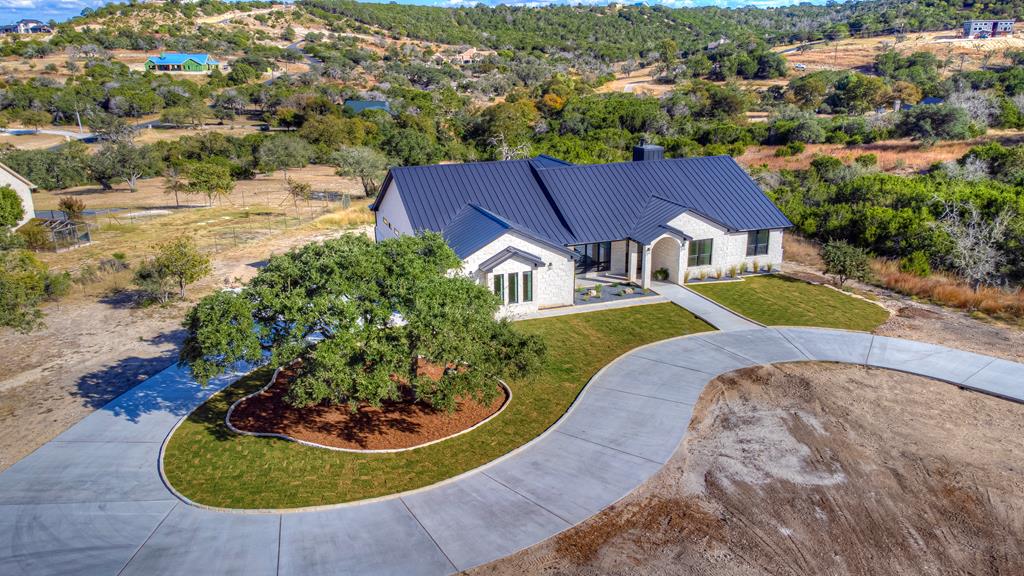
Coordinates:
(394, 425)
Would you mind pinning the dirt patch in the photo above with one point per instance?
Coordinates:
(817, 468)
(401, 424)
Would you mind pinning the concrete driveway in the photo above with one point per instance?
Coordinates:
(92, 501)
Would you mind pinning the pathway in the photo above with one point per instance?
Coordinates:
(92, 501)
(704, 308)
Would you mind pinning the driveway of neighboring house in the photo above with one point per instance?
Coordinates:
(93, 501)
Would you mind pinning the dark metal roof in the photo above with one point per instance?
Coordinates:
(508, 254)
(602, 201)
(433, 195)
(653, 217)
(566, 204)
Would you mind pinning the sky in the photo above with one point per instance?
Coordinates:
(59, 10)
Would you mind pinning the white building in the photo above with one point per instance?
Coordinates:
(529, 229)
(24, 190)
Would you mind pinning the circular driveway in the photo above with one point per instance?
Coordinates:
(92, 501)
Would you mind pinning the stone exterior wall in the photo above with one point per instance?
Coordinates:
(24, 192)
(392, 219)
(553, 284)
(728, 249)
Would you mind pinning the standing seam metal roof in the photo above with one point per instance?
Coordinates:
(568, 204)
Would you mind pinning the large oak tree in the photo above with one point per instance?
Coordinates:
(363, 317)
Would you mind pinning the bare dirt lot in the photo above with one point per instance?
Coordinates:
(817, 469)
(900, 155)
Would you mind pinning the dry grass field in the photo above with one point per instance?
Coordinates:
(860, 53)
(901, 155)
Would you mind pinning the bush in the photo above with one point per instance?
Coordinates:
(845, 262)
(661, 274)
(917, 264)
(36, 237)
(11, 209)
(791, 149)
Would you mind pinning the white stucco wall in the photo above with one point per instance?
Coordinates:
(392, 218)
(24, 192)
(729, 249)
(553, 284)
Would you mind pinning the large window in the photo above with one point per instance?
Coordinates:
(499, 286)
(757, 243)
(596, 257)
(700, 252)
(513, 287)
(528, 286)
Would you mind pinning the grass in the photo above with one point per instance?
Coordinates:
(784, 301)
(209, 464)
(948, 290)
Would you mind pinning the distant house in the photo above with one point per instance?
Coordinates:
(988, 28)
(182, 63)
(929, 101)
(359, 106)
(23, 188)
(467, 56)
(528, 229)
(26, 27)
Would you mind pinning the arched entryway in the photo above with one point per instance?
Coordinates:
(665, 253)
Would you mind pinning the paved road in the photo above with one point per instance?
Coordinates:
(92, 501)
(704, 308)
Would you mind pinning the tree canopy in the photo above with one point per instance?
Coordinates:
(376, 312)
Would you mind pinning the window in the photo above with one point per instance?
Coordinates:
(700, 252)
(757, 243)
(499, 287)
(528, 286)
(513, 287)
(596, 257)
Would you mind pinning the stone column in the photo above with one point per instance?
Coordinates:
(646, 282)
(631, 247)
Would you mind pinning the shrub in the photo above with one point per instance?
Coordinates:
(866, 160)
(790, 149)
(36, 237)
(917, 264)
(732, 271)
(661, 274)
(72, 207)
(11, 209)
(845, 262)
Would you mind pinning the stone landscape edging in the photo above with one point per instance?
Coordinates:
(273, 379)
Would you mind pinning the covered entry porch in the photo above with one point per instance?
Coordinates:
(631, 261)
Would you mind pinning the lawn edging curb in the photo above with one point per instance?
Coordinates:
(273, 379)
(398, 495)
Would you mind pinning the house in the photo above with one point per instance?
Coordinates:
(988, 28)
(182, 63)
(467, 56)
(23, 188)
(529, 229)
(26, 27)
(360, 106)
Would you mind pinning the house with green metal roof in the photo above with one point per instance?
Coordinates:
(182, 63)
(536, 230)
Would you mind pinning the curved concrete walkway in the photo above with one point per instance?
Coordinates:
(92, 501)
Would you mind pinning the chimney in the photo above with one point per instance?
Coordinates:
(644, 151)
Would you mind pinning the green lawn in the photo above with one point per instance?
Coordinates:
(209, 464)
(785, 301)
